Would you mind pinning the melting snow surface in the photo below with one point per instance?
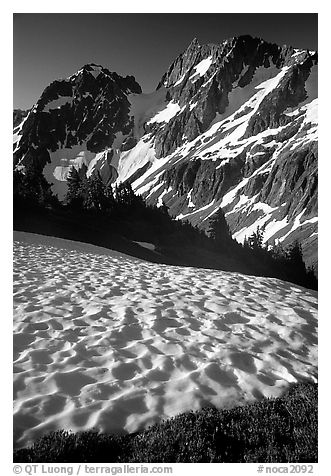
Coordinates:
(105, 340)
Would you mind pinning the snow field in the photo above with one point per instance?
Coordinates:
(108, 341)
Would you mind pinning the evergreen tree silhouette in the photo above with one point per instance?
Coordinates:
(95, 197)
(74, 193)
(255, 241)
(30, 188)
(218, 228)
(295, 259)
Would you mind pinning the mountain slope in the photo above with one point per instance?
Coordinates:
(231, 125)
(243, 136)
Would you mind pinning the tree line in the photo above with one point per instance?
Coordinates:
(288, 258)
(90, 195)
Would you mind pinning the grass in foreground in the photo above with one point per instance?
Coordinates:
(273, 430)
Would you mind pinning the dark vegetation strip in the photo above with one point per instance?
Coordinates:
(272, 430)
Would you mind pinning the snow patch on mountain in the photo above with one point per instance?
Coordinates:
(297, 224)
(160, 202)
(226, 148)
(58, 103)
(189, 198)
(264, 207)
(271, 227)
(232, 129)
(181, 216)
(181, 79)
(231, 195)
(167, 113)
(201, 68)
(135, 158)
(17, 133)
(311, 115)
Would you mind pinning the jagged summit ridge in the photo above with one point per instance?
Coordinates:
(252, 51)
(204, 78)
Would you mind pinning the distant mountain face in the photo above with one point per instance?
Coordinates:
(231, 125)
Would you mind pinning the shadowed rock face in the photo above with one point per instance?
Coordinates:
(231, 125)
(205, 178)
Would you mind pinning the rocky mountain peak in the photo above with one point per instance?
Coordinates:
(231, 125)
(238, 130)
(75, 119)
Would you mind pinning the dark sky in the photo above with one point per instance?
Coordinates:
(51, 46)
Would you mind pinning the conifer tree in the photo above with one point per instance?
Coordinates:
(31, 188)
(218, 228)
(73, 196)
(95, 197)
(109, 199)
(295, 258)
